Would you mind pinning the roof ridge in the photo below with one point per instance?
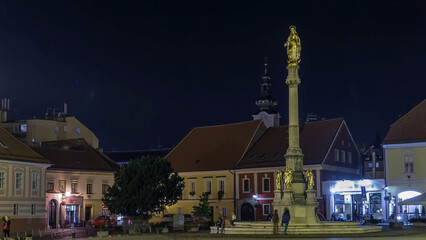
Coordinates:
(230, 124)
(414, 108)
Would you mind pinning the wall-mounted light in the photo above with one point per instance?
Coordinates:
(255, 196)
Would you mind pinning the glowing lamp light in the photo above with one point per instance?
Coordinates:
(67, 194)
(408, 194)
(255, 196)
(399, 217)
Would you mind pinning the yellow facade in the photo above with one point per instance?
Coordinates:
(405, 167)
(198, 182)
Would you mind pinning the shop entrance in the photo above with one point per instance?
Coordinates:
(356, 207)
(71, 214)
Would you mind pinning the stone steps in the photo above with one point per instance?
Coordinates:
(265, 228)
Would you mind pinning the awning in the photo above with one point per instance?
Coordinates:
(419, 200)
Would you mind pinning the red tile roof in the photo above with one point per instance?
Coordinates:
(75, 154)
(315, 140)
(214, 147)
(13, 149)
(409, 128)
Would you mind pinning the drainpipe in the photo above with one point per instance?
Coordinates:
(235, 192)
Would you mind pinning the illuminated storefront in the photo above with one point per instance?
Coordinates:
(353, 200)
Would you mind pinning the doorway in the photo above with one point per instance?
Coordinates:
(52, 213)
(247, 212)
(357, 207)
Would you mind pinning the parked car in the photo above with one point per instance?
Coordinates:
(103, 221)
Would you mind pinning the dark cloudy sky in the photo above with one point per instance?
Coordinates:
(138, 73)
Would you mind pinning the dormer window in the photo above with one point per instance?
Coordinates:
(3, 144)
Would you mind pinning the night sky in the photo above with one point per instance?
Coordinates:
(140, 74)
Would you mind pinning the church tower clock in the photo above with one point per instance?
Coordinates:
(266, 103)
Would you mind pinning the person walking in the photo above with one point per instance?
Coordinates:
(275, 221)
(6, 227)
(285, 219)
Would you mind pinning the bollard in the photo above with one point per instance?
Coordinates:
(73, 234)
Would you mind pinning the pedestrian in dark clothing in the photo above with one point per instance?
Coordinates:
(275, 221)
(285, 219)
(220, 225)
(6, 227)
(269, 218)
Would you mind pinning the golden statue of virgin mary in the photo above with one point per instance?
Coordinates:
(294, 47)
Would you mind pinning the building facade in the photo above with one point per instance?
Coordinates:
(76, 182)
(405, 160)
(22, 184)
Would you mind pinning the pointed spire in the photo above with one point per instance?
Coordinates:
(266, 65)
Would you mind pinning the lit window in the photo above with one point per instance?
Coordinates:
(78, 131)
(18, 180)
(24, 128)
(50, 186)
(266, 186)
(266, 209)
(377, 165)
(33, 209)
(15, 209)
(2, 180)
(343, 156)
(246, 185)
(336, 155)
(370, 165)
(35, 180)
(408, 163)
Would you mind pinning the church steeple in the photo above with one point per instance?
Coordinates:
(266, 103)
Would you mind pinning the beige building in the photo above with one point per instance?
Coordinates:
(76, 181)
(22, 184)
(405, 160)
(54, 126)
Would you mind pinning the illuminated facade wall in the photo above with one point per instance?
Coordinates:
(198, 182)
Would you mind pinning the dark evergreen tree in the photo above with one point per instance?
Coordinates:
(142, 187)
(203, 208)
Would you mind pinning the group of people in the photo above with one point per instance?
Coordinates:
(223, 222)
(285, 219)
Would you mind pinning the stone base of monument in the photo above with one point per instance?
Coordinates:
(322, 228)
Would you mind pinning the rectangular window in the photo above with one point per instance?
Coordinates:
(104, 188)
(222, 185)
(349, 157)
(409, 164)
(2, 180)
(33, 209)
(179, 210)
(370, 165)
(35, 181)
(208, 187)
(15, 209)
(266, 209)
(193, 187)
(224, 212)
(336, 155)
(89, 188)
(18, 180)
(50, 186)
(343, 153)
(74, 187)
(266, 186)
(62, 186)
(246, 185)
(377, 165)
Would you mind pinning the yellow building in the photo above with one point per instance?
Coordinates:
(22, 184)
(53, 127)
(205, 159)
(405, 159)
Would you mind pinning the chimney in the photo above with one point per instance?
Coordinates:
(65, 109)
(5, 104)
